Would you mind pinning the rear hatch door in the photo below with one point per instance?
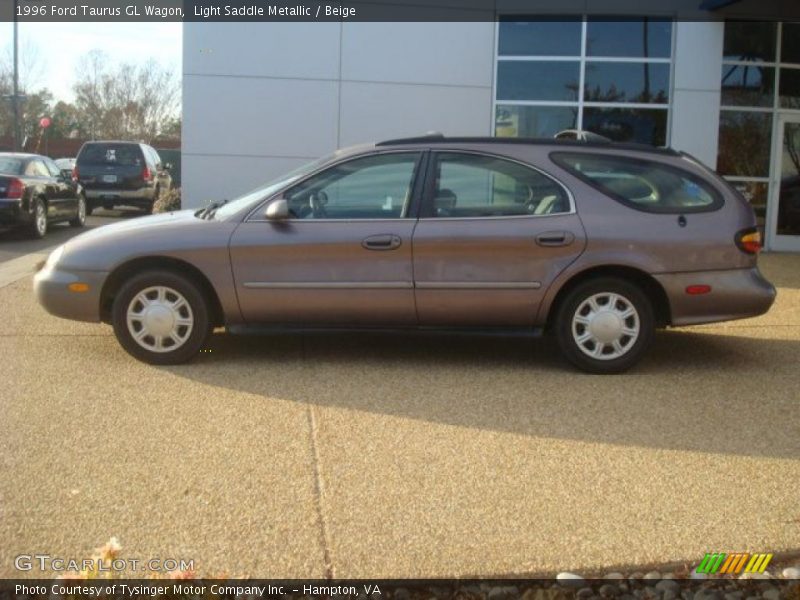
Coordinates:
(111, 167)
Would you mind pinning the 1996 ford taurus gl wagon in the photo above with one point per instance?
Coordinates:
(599, 243)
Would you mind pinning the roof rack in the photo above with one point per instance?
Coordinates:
(438, 138)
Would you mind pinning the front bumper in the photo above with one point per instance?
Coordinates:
(50, 285)
(735, 294)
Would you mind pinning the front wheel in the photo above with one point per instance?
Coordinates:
(80, 215)
(605, 325)
(161, 318)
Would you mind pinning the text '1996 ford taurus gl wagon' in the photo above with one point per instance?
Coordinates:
(599, 243)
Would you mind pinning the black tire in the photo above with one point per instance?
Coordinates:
(80, 217)
(632, 348)
(198, 305)
(38, 227)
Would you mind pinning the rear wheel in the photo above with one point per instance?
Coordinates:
(161, 318)
(39, 225)
(80, 216)
(605, 325)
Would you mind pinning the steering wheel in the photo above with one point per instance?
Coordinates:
(317, 201)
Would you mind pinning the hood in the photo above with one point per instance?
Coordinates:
(170, 234)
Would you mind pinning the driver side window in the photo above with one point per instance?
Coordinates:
(372, 187)
(472, 185)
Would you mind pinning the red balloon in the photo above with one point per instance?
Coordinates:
(44, 122)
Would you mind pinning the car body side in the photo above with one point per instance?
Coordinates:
(663, 253)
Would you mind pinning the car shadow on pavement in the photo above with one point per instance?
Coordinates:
(694, 391)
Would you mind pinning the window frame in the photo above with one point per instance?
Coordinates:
(256, 215)
(582, 59)
(426, 208)
(716, 195)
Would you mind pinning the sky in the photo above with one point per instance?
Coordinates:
(60, 46)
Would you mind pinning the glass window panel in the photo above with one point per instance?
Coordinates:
(363, 188)
(643, 184)
(468, 185)
(744, 139)
(790, 43)
(750, 85)
(537, 80)
(643, 125)
(789, 87)
(627, 82)
(629, 38)
(750, 40)
(555, 36)
(534, 121)
(755, 192)
(789, 192)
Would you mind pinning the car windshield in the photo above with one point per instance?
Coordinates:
(10, 166)
(258, 194)
(111, 154)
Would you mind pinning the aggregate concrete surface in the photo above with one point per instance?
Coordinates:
(377, 455)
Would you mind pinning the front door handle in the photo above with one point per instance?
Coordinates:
(555, 238)
(386, 241)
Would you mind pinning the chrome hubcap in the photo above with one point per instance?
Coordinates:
(160, 319)
(41, 218)
(605, 326)
(81, 210)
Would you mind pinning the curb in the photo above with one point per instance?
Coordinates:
(21, 267)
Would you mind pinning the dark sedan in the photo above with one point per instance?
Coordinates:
(34, 193)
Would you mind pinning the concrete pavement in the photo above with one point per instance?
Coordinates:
(376, 455)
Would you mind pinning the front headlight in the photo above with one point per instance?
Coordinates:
(54, 257)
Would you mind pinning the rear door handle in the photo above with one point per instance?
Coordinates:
(386, 241)
(555, 238)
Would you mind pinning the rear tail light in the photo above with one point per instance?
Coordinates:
(75, 173)
(15, 189)
(749, 240)
(146, 174)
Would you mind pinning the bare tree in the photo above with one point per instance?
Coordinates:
(127, 101)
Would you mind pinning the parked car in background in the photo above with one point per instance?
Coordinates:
(121, 174)
(66, 165)
(34, 193)
(599, 243)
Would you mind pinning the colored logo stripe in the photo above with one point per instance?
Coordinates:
(733, 563)
(758, 563)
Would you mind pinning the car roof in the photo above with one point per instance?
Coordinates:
(115, 142)
(439, 139)
(20, 155)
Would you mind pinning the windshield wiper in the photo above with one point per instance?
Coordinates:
(209, 210)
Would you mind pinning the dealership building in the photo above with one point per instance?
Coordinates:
(717, 80)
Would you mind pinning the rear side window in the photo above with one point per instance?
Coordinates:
(474, 185)
(642, 184)
(10, 166)
(127, 155)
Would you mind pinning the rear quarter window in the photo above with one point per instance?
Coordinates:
(112, 154)
(642, 184)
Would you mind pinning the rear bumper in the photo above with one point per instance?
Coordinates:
(98, 197)
(50, 286)
(735, 294)
(13, 214)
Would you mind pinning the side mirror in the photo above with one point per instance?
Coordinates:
(277, 210)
